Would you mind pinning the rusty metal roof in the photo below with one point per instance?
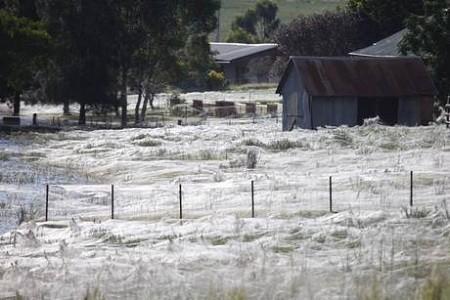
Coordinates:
(361, 76)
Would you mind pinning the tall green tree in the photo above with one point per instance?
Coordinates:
(166, 34)
(327, 34)
(239, 35)
(25, 44)
(105, 47)
(83, 58)
(198, 20)
(258, 24)
(387, 15)
(267, 21)
(429, 37)
(154, 56)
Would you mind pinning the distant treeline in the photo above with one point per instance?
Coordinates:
(356, 25)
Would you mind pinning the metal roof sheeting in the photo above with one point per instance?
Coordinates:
(388, 47)
(227, 52)
(361, 76)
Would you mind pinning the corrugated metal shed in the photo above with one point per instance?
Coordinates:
(388, 47)
(362, 77)
(228, 52)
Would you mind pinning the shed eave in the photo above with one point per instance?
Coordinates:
(283, 79)
(222, 62)
(371, 55)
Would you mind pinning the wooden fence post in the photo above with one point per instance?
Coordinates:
(331, 193)
(253, 199)
(181, 202)
(112, 201)
(46, 202)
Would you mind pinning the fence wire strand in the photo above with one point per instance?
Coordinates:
(377, 191)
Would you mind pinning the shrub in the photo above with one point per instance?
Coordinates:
(252, 158)
(4, 156)
(216, 80)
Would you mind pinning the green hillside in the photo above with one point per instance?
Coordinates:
(288, 9)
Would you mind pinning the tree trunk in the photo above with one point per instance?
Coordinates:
(116, 105)
(144, 107)
(124, 119)
(151, 101)
(82, 117)
(116, 110)
(66, 108)
(123, 99)
(138, 106)
(16, 108)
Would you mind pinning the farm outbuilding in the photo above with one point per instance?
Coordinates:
(244, 63)
(334, 91)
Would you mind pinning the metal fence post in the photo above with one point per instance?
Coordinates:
(181, 202)
(411, 190)
(331, 193)
(46, 202)
(112, 201)
(253, 199)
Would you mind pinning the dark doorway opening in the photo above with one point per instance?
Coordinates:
(385, 108)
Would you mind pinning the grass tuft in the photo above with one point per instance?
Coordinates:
(436, 287)
(415, 213)
(275, 145)
(253, 142)
(343, 137)
(148, 143)
(95, 294)
(283, 145)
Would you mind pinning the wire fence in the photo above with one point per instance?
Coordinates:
(179, 113)
(260, 198)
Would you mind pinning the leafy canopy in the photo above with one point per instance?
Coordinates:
(25, 43)
(256, 25)
(429, 37)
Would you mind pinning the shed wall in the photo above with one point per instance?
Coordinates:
(296, 112)
(291, 91)
(334, 111)
(426, 109)
(230, 72)
(409, 111)
(304, 111)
